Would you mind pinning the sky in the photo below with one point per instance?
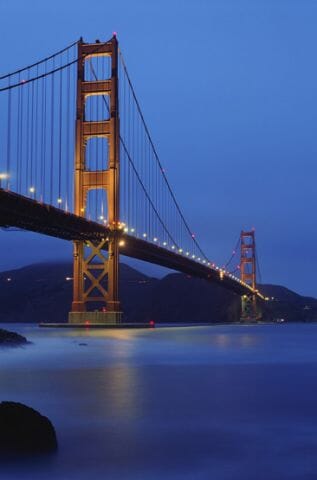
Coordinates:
(229, 92)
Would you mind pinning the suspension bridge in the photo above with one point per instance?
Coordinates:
(78, 163)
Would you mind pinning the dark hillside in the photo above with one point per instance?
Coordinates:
(43, 293)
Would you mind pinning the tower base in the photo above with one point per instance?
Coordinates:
(249, 319)
(106, 318)
(250, 311)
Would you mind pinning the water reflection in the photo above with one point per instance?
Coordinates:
(193, 403)
(122, 389)
(228, 341)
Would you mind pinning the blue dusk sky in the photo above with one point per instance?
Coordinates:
(229, 91)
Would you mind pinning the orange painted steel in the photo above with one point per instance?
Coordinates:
(95, 271)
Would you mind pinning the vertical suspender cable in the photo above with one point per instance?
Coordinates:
(68, 120)
(8, 137)
(27, 137)
(18, 172)
(31, 182)
(60, 137)
(52, 135)
(36, 166)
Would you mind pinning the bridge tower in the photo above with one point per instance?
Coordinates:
(249, 310)
(96, 264)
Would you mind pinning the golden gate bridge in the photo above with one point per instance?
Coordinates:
(78, 163)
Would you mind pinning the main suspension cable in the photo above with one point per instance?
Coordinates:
(157, 158)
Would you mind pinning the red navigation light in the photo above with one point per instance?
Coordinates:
(87, 323)
(114, 34)
(152, 323)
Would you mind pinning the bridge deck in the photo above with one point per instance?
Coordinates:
(28, 214)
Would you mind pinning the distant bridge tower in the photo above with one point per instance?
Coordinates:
(95, 270)
(249, 311)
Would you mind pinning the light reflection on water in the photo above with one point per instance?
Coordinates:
(223, 402)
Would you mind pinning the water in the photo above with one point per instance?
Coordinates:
(223, 402)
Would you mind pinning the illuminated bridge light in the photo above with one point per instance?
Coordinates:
(180, 250)
(173, 247)
(31, 189)
(187, 253)
(126, 229)
(132, 230)
(101, 217)
(164, 243)
(154, 239)
(144, 235)
(193, 256)
(121, 243)
(221, 275)
(59, 200)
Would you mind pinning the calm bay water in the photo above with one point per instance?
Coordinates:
(223, 402)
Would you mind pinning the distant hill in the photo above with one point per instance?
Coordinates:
(287, 304)
(43, 293)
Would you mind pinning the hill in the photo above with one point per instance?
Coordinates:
(43, 293)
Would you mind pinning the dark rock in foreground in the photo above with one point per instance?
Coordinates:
(25, 431)
(11, 338)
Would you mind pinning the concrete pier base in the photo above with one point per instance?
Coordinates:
(105, 318)
(96, 325)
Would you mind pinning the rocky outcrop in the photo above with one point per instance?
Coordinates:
(11, 338)
(25, 431)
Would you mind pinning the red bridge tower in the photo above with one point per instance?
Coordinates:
(249, 311)
(96, 264)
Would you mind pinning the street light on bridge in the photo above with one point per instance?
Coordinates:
(3, 176)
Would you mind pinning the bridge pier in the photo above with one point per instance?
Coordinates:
(95, 318)
(249, 309)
